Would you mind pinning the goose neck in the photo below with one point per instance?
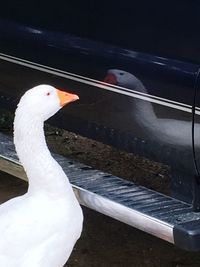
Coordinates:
(43, 172)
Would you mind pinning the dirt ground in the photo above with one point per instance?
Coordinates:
(104, 241)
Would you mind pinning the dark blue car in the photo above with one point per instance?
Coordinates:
(135, 66)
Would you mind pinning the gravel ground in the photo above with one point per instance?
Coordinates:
(104, 241)
(108, 159)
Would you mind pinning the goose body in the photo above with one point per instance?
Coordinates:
(40, 228)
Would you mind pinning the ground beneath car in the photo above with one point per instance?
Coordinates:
(104, 241)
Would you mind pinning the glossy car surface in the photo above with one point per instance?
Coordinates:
(132, 64)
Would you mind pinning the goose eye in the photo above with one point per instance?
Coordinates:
(48, 93)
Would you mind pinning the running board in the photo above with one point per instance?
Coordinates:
(140, 207)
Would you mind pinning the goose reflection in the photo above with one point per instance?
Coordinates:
(170, 131)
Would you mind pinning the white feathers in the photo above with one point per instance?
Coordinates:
(40, 228)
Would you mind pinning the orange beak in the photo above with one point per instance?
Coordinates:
(65, 97)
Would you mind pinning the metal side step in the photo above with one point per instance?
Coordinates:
(145, 209)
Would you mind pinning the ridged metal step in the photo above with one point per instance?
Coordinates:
(145, 209)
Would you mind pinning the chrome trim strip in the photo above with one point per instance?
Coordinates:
(124, 214)
(101, 204)
(99, 84)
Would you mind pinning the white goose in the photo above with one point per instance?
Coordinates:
(170, 131)
(40, 228)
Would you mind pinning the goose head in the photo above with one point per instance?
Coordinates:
(124, 79)
(43, 101)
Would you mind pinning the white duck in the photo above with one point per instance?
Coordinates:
(170, 131)
(40, 228)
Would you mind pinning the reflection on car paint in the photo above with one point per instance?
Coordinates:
(171, 131)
